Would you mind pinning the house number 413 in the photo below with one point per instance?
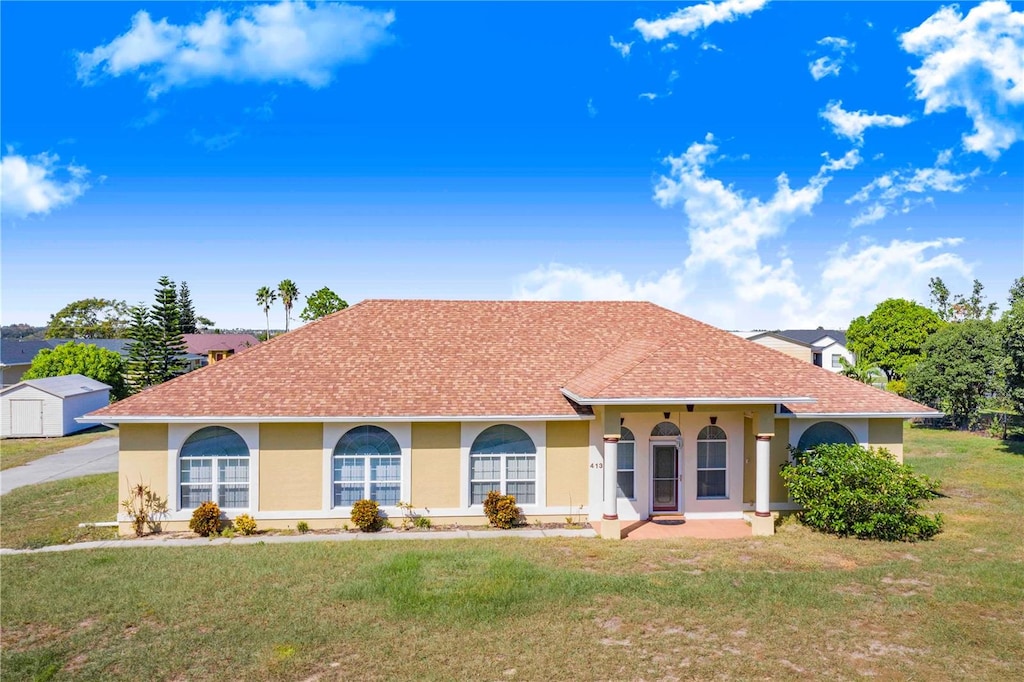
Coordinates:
(597, 465)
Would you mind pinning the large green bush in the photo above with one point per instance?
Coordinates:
(501, 510)
(367, 517)
(849, 490)
(206, 519)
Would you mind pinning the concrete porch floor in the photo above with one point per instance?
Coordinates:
(666, 527)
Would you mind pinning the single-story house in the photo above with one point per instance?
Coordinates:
(613, 410)
(49, 407)
(206, 349)
(827, 346)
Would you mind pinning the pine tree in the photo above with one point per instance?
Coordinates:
(167, 318)
(142, 351)
(186, 310)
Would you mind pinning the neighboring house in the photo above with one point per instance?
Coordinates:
(616, 410)
(773, 340)
(206, 349)
(16, 357)
(827, 345)
(49, 407)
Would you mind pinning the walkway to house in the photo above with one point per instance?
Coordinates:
(667, 527)
(97, 457)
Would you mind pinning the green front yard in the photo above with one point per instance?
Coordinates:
(797, 605)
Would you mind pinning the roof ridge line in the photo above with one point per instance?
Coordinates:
(625, 371)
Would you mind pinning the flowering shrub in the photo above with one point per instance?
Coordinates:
(245, 524)
(501, 510)
(366, 515)
(206, 519)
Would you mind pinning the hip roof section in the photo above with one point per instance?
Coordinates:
(422, 359)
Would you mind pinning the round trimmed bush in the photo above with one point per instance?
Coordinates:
(366, 516)
(245, 524)
(501, 510)
(206, 519)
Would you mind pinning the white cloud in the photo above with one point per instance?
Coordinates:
(900, 192)
(623, 48)
(649, 96)
(696, 17)
(38, 184)
(975, 63)
(831, 65)
(729, 278)
(669, 47)
(284, 42)
(710, 46)
(852, 124)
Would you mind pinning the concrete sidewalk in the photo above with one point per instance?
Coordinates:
(97, 457)
(158, 541)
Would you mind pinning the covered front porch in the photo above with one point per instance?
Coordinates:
(677, 526)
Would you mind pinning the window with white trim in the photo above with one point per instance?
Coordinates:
(367, 464)
(503, 458)
(712, 451)
(627, 464)
(836, 364)
(213, 466)
(823, 433)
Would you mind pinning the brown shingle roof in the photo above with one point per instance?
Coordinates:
(414, 358)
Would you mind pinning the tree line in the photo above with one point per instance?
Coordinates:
(956, 355)
(321, 302)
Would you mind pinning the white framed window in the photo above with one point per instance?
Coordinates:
(835, 362)
(366, 464)
(627, 464)
(503, 458)
(712, 452)
(821, 433)
(213, 465)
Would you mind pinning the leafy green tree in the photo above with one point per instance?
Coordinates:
(187, 312)
(265, 297)
(940, 298)
(81, 358)
(89, 318)
(891, 337)
(1012, 327)
(960, 307)
(141, 370)
(863, 371)
(320, 303)
(289, 293)
(960, 368)
(167, 320)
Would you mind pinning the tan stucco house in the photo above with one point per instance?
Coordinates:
(613, 410)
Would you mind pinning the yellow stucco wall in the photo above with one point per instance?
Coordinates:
(567, 455)
(143, 457)
(749, 461)
(291, 467)
(436, 477)
(779, 456)
(888, 434)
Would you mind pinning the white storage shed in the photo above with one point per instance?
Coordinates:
(48, 407)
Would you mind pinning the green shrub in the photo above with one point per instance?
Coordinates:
(501, 510)
(206, 519)
(145, 508)
(302, 527)
(367, 517)
(848, 490)
(422, 522)
(245, 524)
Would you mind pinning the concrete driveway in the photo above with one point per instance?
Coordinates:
(97, 457)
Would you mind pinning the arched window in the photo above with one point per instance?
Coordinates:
(824, 433)
(367, 464)
(503, 458)
(627, 464)
(712, 451)
(665, 429)
(213, 465)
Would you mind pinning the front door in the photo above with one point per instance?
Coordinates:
(665, 478)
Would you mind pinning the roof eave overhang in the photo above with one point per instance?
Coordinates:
(677, 400)
(249, 419)
(864, 415)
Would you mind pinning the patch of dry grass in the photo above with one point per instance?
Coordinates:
(797, 605)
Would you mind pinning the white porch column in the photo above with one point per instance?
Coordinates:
(763, 523)
(610, 527)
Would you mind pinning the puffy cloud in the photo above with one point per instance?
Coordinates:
(649, 96)
(38, 184)
(623, 48)
(696, 17)
(852, 124)
(563, 282)
(831, 65)
(283, 42)
(900, 192)
(975, 63)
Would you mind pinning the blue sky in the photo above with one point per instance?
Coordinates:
(752, 164)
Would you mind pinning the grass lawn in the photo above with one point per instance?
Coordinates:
(796, 605)
(17, 451)
(49, 513)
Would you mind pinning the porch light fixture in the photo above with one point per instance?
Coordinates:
(622, 420)
(689, 408)
(668, 415)
(714, 420)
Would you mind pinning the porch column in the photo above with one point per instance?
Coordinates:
(763, 523)
(610, 527)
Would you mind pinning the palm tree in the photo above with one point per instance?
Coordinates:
(864, 372)
(265, 297)
(288, 292)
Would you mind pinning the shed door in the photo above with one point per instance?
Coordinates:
(26, 417)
